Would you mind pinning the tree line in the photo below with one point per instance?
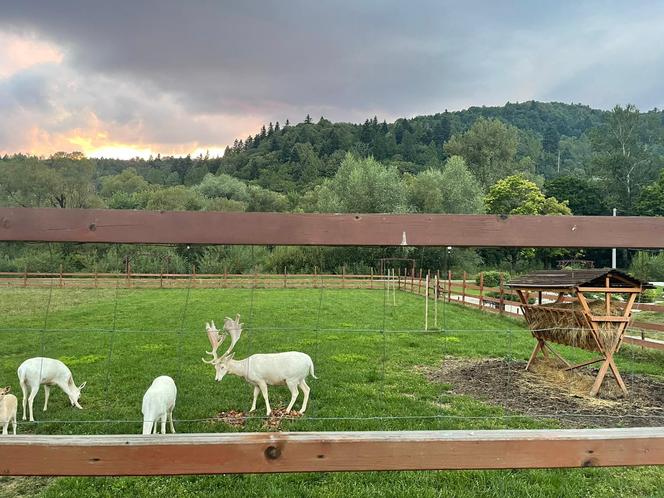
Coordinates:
(528, 158)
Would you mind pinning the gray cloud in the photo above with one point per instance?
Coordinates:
(170, 70)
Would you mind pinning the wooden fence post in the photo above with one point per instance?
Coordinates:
(193, 275)
(96, 281)
(481, 290)
(285, 278)
(412, 280)
(313, 280)
(61, 283)
(371, 279)
(449, 286)
(25, 277)
(343, 276)
(463, 289)
(128, 273)
(419, 282)
(225, 277)
(161, 278)
(502, 295)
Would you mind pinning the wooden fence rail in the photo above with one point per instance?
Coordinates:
(177, 454)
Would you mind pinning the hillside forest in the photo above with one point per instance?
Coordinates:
(530, 158)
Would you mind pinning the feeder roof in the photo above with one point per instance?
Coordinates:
(569, 279)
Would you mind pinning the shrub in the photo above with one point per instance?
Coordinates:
(492, 278)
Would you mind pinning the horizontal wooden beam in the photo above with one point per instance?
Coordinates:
(611, 290)
(645, 342)
(328, 451)
(126, 226)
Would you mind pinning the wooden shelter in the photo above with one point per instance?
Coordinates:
(587, 313)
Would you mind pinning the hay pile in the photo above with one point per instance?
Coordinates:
(565, 323)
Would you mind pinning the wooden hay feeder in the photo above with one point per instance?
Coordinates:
(581, 312)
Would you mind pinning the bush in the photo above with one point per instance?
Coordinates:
(649, 296)
(648, 267)
(492, 278)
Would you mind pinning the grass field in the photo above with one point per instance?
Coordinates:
(369, 357)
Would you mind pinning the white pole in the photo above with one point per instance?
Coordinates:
(435, 301)
(613, 251)
(426, 303)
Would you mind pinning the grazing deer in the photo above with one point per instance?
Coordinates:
(37, 371)
(8, 404)
(260, 370)
(158, 404)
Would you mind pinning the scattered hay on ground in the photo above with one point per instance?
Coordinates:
(547, 391)
(278, 415)
(232, 418)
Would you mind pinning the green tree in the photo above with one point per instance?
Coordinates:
(518, 195)
(27, 182)
(651, 199)
(625, 153)
(128, 182)
(223, 185)
(363, 186)
(452, 190)
(489, 148)
(178, 198)
(583, 196)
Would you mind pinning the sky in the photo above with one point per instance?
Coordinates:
(133, 78)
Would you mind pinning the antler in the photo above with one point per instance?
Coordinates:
(215, 341)
(234, 328)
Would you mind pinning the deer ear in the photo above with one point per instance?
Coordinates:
(237, 318)
(207, 325)
(213, 325)
(228, 318)
(82, 385)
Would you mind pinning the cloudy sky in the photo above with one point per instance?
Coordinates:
(123, 78)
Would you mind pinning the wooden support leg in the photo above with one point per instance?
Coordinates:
(600, 377)
(557, 355)
(538, 347)
(617, 375)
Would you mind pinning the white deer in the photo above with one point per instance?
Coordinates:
(8, 404)
(158, 404)
(261, 370)
(37, 371)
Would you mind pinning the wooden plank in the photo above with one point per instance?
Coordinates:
(177, 454)
(126, 226)
(659, 327)
(615, 290)
(648, 343)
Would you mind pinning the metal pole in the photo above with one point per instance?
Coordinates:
(613, 251)
(426, 303)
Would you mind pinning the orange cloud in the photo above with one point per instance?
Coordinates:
(21, 52)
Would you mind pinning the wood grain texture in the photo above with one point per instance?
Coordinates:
(328, 451)
(125, 226)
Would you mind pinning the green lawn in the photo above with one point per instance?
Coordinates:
(118, 341)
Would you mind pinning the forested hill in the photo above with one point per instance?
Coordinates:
(530, 158)
(592, 159)
(283, 157)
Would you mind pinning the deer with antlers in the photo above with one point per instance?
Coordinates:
(260, 370)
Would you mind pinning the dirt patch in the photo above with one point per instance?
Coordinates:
(232, 418)
(547, 391)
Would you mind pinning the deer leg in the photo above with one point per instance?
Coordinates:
(14, 423)
(24, 390)
(47, 391)
(294, 393)
(170, 419)
(31, 399)
(256, 391)
(4, 428)
(305, 390)
(263, 387)
(163, 422)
